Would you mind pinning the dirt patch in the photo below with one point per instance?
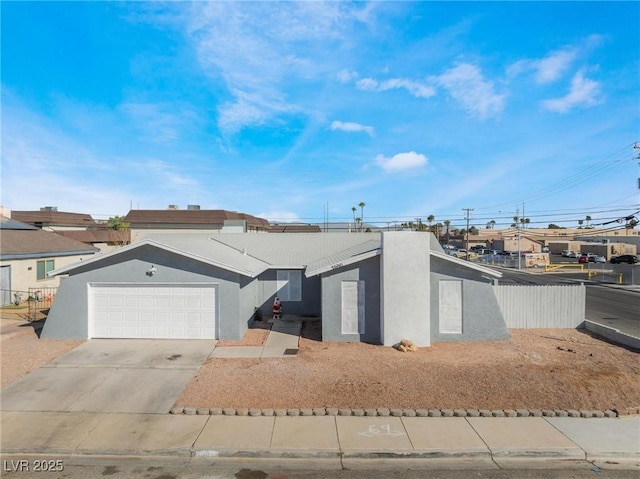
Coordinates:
(256, 335)
(541, 369)
(22, 351)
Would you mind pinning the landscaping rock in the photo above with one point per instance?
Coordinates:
(190, 411)
(383, 411)
(177, 410)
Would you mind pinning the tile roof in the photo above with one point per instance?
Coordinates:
(53, 218)
(98, 236)
(20, 244)
(191, 217)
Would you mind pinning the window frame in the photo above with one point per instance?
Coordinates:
(46, 265)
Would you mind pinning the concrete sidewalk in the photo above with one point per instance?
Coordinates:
(339, 441)
(281, 342)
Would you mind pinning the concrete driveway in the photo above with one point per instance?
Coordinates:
(111, 376)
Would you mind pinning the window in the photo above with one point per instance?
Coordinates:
(43, 267)
(289, 285)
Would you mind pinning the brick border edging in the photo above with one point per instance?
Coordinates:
(385, 412)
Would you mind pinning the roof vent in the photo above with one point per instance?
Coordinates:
(172, 207)
(49, 208)
(193, 207)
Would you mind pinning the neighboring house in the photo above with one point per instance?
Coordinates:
(373, 287)
(104, 239)
(294, 228)
(144, 223)
(28, 253)
(50, 219)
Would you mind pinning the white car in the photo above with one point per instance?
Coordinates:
(600, 259)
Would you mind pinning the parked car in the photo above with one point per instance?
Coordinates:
(584, 258)
(565, 253)
(599, 259)
(573, 254)
(625, 258)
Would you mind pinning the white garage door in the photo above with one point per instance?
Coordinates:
(152, 311)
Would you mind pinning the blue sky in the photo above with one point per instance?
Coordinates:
(290, 111)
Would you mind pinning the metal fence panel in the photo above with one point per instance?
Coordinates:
(542, 306)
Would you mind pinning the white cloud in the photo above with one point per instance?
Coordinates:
(583, 93)
(352, 127)
(551, 67)
(257, 48)
(416, 89)
(401, 161)
(347, 76)
(467, 86)
(547, 69)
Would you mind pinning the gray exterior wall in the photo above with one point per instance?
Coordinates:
(482, 318)
(68, 318)
(367, 271)
(265, 293)
(405, 302)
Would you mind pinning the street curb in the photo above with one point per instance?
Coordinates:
(385, 412)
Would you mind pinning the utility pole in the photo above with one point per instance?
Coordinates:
(467, 212)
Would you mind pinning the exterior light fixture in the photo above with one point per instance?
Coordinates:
(151, 271)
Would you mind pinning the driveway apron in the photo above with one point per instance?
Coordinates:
(111, 376)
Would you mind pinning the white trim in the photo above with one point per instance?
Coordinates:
(355, 259)
(171, 249)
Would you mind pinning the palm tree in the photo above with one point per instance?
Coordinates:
(361, 205)
(438, 230)
(491, 224)
(430, 219)
(447, 223)
(580, 223)
(353, 209)
(516, 219)
(588, 218)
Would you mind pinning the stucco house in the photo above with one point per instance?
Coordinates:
(28, 253)
(372, 287)
(50, 219)
(145, 223)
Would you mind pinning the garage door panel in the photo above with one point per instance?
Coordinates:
(138, 311)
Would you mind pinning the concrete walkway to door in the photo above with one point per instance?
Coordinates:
(281, 342)
(111, 376)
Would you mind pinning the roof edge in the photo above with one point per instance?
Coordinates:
(148, 242)
(466, 264)
(355, 259)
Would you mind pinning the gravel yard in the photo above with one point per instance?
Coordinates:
(21, 351)
(535, 369)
